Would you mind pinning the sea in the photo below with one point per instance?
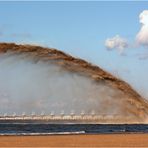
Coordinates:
(55, 129)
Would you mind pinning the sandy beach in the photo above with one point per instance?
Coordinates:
(105, 140)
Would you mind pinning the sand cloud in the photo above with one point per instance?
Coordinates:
(28, 84)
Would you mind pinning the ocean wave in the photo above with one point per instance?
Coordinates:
(38, 134)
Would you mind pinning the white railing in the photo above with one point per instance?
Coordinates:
(62, 117)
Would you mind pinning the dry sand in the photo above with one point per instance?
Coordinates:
(105, 140)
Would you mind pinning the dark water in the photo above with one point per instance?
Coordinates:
(39, 129)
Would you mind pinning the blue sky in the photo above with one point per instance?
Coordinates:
(81, 29)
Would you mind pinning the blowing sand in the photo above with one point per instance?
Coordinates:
(105, 140)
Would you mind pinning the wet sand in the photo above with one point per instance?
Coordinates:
(105, 140)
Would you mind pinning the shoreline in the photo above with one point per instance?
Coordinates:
(78, 140)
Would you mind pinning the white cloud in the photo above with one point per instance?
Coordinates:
(117, 43)
(142, 36)
(120, 43)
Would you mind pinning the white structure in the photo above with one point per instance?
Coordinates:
(72, 114)
(62, 113)
(14, 114)
(52, 114)
(92, 113)
(5, 114)
(82, 113)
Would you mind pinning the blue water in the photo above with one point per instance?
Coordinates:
(39, 129)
